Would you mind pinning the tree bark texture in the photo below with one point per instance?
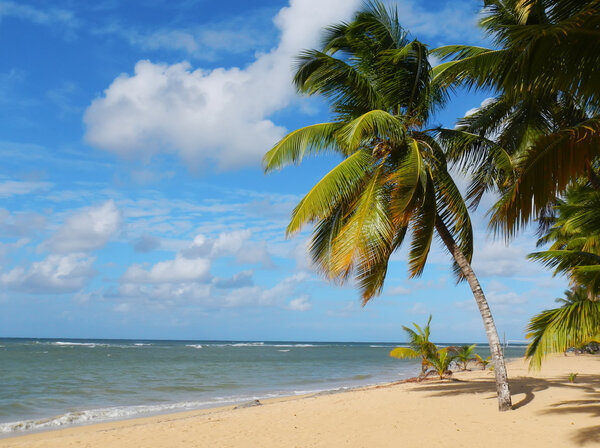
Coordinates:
(504, 399)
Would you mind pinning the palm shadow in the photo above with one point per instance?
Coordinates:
(528, 387)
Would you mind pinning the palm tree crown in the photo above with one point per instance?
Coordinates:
(393, 175)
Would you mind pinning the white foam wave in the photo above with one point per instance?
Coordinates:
(294, 345)
(247, 344)
(139, 344)
(284, 350)
(78, 344)
(194, 345)
(124, 412)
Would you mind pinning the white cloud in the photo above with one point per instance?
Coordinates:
(506, 298)
(54, 275)
(301, 303)
(14, 188)
(455, 22)
(87, 229)
(484, 103)
(257, 296)
(397, 291)
(239, 280)
(498, 260)
(209, 116)
(179, 270)
(45, 16)
(206, 41)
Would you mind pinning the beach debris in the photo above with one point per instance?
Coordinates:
(248, 404)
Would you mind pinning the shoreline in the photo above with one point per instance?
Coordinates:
(208, 408)
(548, 411)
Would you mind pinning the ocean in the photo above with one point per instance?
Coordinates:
(50, 383)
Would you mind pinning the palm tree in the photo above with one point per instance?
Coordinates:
(440, 361)
(419, 345)
(575, 323)
(547, 51)
(572, 228)
(483, 362)
(392, 176)
(464, 355)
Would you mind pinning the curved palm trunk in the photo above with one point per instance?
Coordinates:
(504, 400)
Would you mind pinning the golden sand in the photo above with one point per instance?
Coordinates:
(462, 412)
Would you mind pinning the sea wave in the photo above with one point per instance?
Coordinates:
(125, 412)
(194, 345)
(294, 345)
(78, 344)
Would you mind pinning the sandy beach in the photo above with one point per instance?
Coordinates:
(549, 411)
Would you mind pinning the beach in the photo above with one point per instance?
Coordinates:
(549, 411)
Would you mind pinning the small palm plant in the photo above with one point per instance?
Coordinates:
(464, 355)
(440, 361)
(483, 362)
(419, 346)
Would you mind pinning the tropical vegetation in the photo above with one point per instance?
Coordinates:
(545, 71)
(419, 345)
(440, 362)
(575, 324)
(392, 183)
(464, 354)
(482, 362)
(536, 143)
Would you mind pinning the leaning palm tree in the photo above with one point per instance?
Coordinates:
(576, 323)
(392, 183)
(419, 345)
(546, 50)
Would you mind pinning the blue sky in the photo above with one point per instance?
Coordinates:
(132, 201)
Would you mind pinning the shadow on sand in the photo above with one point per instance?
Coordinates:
(528, 387)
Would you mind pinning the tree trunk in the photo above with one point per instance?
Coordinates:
(504, 400)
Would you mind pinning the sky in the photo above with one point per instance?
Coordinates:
(132, 199)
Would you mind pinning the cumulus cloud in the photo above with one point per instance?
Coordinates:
(236, 243)
(87, 229)
(178, 270)
(187, 278)
(257, 296)
(55, 274)
(218, 116)
(498, 260)
(301, 303)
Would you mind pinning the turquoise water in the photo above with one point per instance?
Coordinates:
(51, 383)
